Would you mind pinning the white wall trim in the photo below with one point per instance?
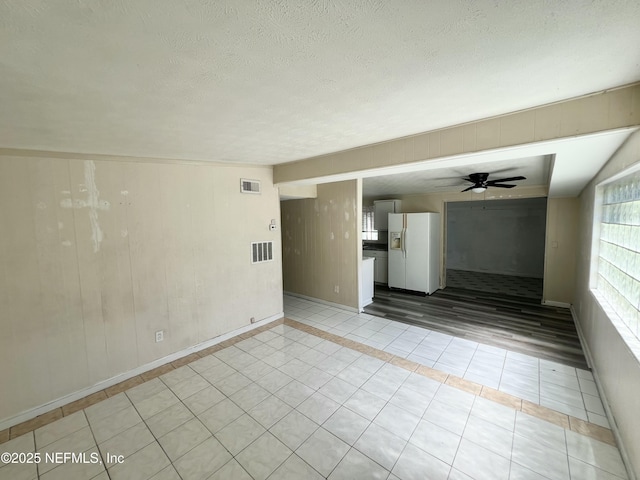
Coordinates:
(47, 407)
(366, 304)
(605, 403)
(324, 302)
(553, 303)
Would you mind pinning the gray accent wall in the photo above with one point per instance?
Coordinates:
(505, 237)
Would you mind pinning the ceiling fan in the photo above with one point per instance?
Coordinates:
(480, 182)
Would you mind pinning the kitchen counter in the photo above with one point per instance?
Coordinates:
(375, 246)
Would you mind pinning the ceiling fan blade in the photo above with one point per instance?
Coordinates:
(469, 180)
(501, 185)
(510, 179)
(467, 189)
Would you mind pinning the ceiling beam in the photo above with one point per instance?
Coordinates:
(598, 112)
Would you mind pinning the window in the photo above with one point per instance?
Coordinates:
(618, 279)
(368, 232)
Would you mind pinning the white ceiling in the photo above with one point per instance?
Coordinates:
(564, 166)
(267, 82)
(450, 179)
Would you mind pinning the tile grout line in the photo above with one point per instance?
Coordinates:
(544, 413)
(540, 380)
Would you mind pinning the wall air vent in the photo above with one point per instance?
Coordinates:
(249, 186)
(261, 252)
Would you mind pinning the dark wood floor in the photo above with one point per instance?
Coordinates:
(514, 323)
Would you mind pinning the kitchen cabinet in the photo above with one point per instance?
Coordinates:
(366, 284)
(382, 209)
(381, 267)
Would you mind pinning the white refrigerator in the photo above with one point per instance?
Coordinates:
(414, 251)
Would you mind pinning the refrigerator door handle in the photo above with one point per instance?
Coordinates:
(404, 242)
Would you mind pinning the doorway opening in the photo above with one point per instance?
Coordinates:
(496, 246)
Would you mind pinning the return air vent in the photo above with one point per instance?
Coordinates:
(261, 252)
(249, 186)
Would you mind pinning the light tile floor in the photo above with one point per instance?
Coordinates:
(566, 389)
(285, 404)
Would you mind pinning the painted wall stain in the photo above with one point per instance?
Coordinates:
(124, 192)
(92, 203)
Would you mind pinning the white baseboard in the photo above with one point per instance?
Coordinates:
(553, 303)
(366, 303)
(324, 302)
(605, 403)
(72, 397)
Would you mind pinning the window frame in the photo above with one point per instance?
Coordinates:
(613, 312)
(368, 223)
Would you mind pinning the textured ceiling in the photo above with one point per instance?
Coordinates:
(535, 169)
(266, 82)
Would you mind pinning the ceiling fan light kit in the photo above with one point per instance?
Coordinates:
(480, 182)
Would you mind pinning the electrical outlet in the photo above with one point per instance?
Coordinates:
(159, 336)
(253, 320)
(336, 289)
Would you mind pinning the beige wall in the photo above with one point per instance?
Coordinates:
(295, 192)
(415, 203)
(98, 255)
(560, 250)
(615, 365)
(594, 113)
(322, 243)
